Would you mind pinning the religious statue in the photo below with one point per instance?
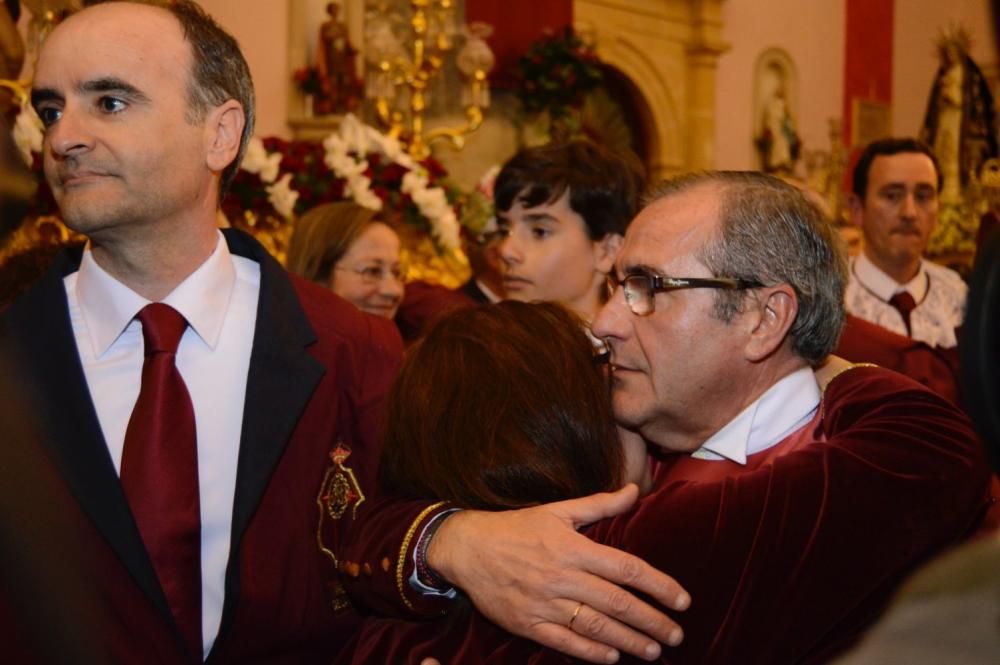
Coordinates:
(960, 122)
(778, 141)
(335, 62)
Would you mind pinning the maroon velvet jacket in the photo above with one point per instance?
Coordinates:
(319, 372)
(788, 558)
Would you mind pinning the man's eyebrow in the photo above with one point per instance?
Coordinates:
(638, 269)
(39, 95)
(112, 84)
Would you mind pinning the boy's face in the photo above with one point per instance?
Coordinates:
(548, 254)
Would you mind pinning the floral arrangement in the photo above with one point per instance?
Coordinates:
(357, 162)
(308, 80)
(556, 73)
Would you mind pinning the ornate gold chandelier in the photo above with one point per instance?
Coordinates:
(398, 76)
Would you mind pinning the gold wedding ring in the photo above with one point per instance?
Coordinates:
(573, 618)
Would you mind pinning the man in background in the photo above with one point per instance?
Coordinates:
(895, 202)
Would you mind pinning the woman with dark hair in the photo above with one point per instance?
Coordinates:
(522, 376)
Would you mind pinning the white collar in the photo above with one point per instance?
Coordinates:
(884, 287)
(491, 296)
(782, 409)
(108, 306)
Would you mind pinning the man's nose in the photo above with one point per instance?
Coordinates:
(908, 208)
(70, 134)
(612, 318)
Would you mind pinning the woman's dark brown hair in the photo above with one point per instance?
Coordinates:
(502, 406)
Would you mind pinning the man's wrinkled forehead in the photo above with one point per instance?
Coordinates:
(672, 229)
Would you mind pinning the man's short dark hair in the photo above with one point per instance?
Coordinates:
(890, 146)
(604, 186)
(219, 72)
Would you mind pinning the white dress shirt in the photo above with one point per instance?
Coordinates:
(939, 293)
(783, 409)
(219, 301)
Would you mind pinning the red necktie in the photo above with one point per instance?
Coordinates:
(159, 471)
(905, 303)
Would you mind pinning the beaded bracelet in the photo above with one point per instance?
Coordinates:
(425, 574)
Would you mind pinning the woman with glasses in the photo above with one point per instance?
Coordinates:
(346, 248)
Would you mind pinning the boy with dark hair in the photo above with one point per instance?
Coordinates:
(562, 211)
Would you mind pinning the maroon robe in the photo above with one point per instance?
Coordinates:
(787, 558)
(936, 368)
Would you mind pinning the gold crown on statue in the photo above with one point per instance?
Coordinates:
(955, 37)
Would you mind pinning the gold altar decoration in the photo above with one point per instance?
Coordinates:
(398, 77)
(47, 231)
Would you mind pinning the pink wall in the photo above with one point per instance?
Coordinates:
(261, 26)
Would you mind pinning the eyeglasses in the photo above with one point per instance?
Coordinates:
(640, 288)
(371, 275)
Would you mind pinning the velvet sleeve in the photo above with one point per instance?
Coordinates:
(786, 563)
(369, 538)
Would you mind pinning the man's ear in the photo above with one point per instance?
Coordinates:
(224, 127)
(855, 207)
(606, 251)
(770, 320)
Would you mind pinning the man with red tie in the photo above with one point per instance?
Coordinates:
(895, 202)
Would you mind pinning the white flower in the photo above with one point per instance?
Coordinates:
(28, 133)
(282, 196)
(257, 160)
(334, 145)
(352, 132)
(447, 230)
(359, 189)
(345, 166)
(413, 181)
(346, 152)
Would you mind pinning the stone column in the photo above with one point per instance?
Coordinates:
(703, 50)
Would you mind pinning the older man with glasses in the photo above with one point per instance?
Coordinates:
(788, 503)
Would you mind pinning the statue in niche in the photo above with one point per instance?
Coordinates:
(960, 122)
(777, 140)
(335, 64)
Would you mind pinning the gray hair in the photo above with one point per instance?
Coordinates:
(771, 232)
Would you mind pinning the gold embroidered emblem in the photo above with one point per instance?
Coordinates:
(340, 489)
